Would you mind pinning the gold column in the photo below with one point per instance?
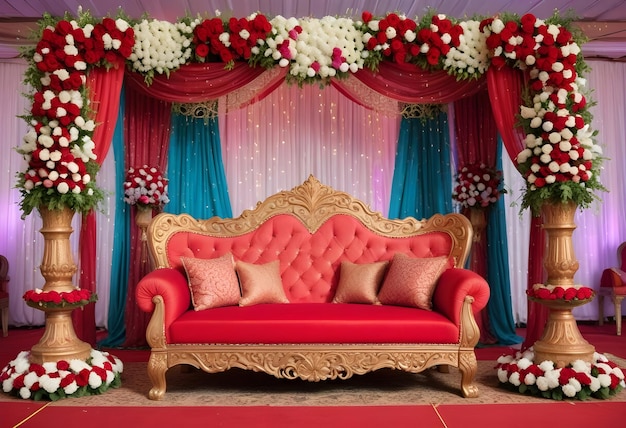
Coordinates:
(59, 341)
(561, 341)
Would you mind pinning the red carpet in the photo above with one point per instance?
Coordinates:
(571, 414)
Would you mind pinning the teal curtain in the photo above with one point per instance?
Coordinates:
(499, 307)
(121, 242)
(197, 181)
(422, 181)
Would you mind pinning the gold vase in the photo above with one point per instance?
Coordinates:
(559, 261)
(143, 217)
(561, 341)
(478, 218)
(59, 341)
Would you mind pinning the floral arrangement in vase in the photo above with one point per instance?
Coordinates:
(145, 187)
(477, 186)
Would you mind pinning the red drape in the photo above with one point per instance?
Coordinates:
(476, 135)
(505, 91)
(147, 131)
(198, 82)
(104, 88)
(411, 84)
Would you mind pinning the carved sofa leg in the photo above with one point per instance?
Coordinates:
(157, 367)
(468, 367)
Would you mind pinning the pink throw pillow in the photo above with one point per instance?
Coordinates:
(212, 282)
(359, 283)
(260, 283)
(411, 281)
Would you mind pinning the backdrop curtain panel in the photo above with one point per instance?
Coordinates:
(422, 182)
(147, 133)
(505, 87)
(118, 284)
(477, 142)
(500, 307)
(198, 182)
(103, 86)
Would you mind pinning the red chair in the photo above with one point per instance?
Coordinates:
(613, 283)
(4, 295)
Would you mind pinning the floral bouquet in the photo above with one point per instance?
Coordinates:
(232, 40)
(145, 186)
(478, 186)
(56, 299)
(312, 49)
(400, 39)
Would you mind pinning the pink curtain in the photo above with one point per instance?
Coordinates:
(104, 88)
(476, 135)
(505, 91)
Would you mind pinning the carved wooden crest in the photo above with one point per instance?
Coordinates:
(312, 203)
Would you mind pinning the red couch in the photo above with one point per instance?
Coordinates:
(311, 230)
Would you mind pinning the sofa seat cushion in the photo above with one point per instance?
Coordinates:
(313, 323)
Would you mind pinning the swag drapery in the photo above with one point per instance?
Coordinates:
(147, 131)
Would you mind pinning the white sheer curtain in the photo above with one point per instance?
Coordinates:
(277, 143)
(20, 240)
(601, 228)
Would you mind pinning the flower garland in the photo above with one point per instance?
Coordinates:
(551, 292)
(63, 379)
(561, 161)
(478, 186)
(59, 149)
(56, 299)
(145, 186)
(580, 380)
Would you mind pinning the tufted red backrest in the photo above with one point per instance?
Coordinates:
(309, 262)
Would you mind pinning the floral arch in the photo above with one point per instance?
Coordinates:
(80, 63)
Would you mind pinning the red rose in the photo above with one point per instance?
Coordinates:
(528, 23)
(38, 369)
(558, 292)
(202, 50)
(63, 365)
(433, 56)
(570, 294)
(67, 380)
(493, 41)
(484, 23)
(82, 379)
(366, 16)
(18, 382)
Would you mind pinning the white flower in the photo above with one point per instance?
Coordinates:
(569, 390)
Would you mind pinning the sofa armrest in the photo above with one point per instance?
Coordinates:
(172, 286)
(453, 287)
